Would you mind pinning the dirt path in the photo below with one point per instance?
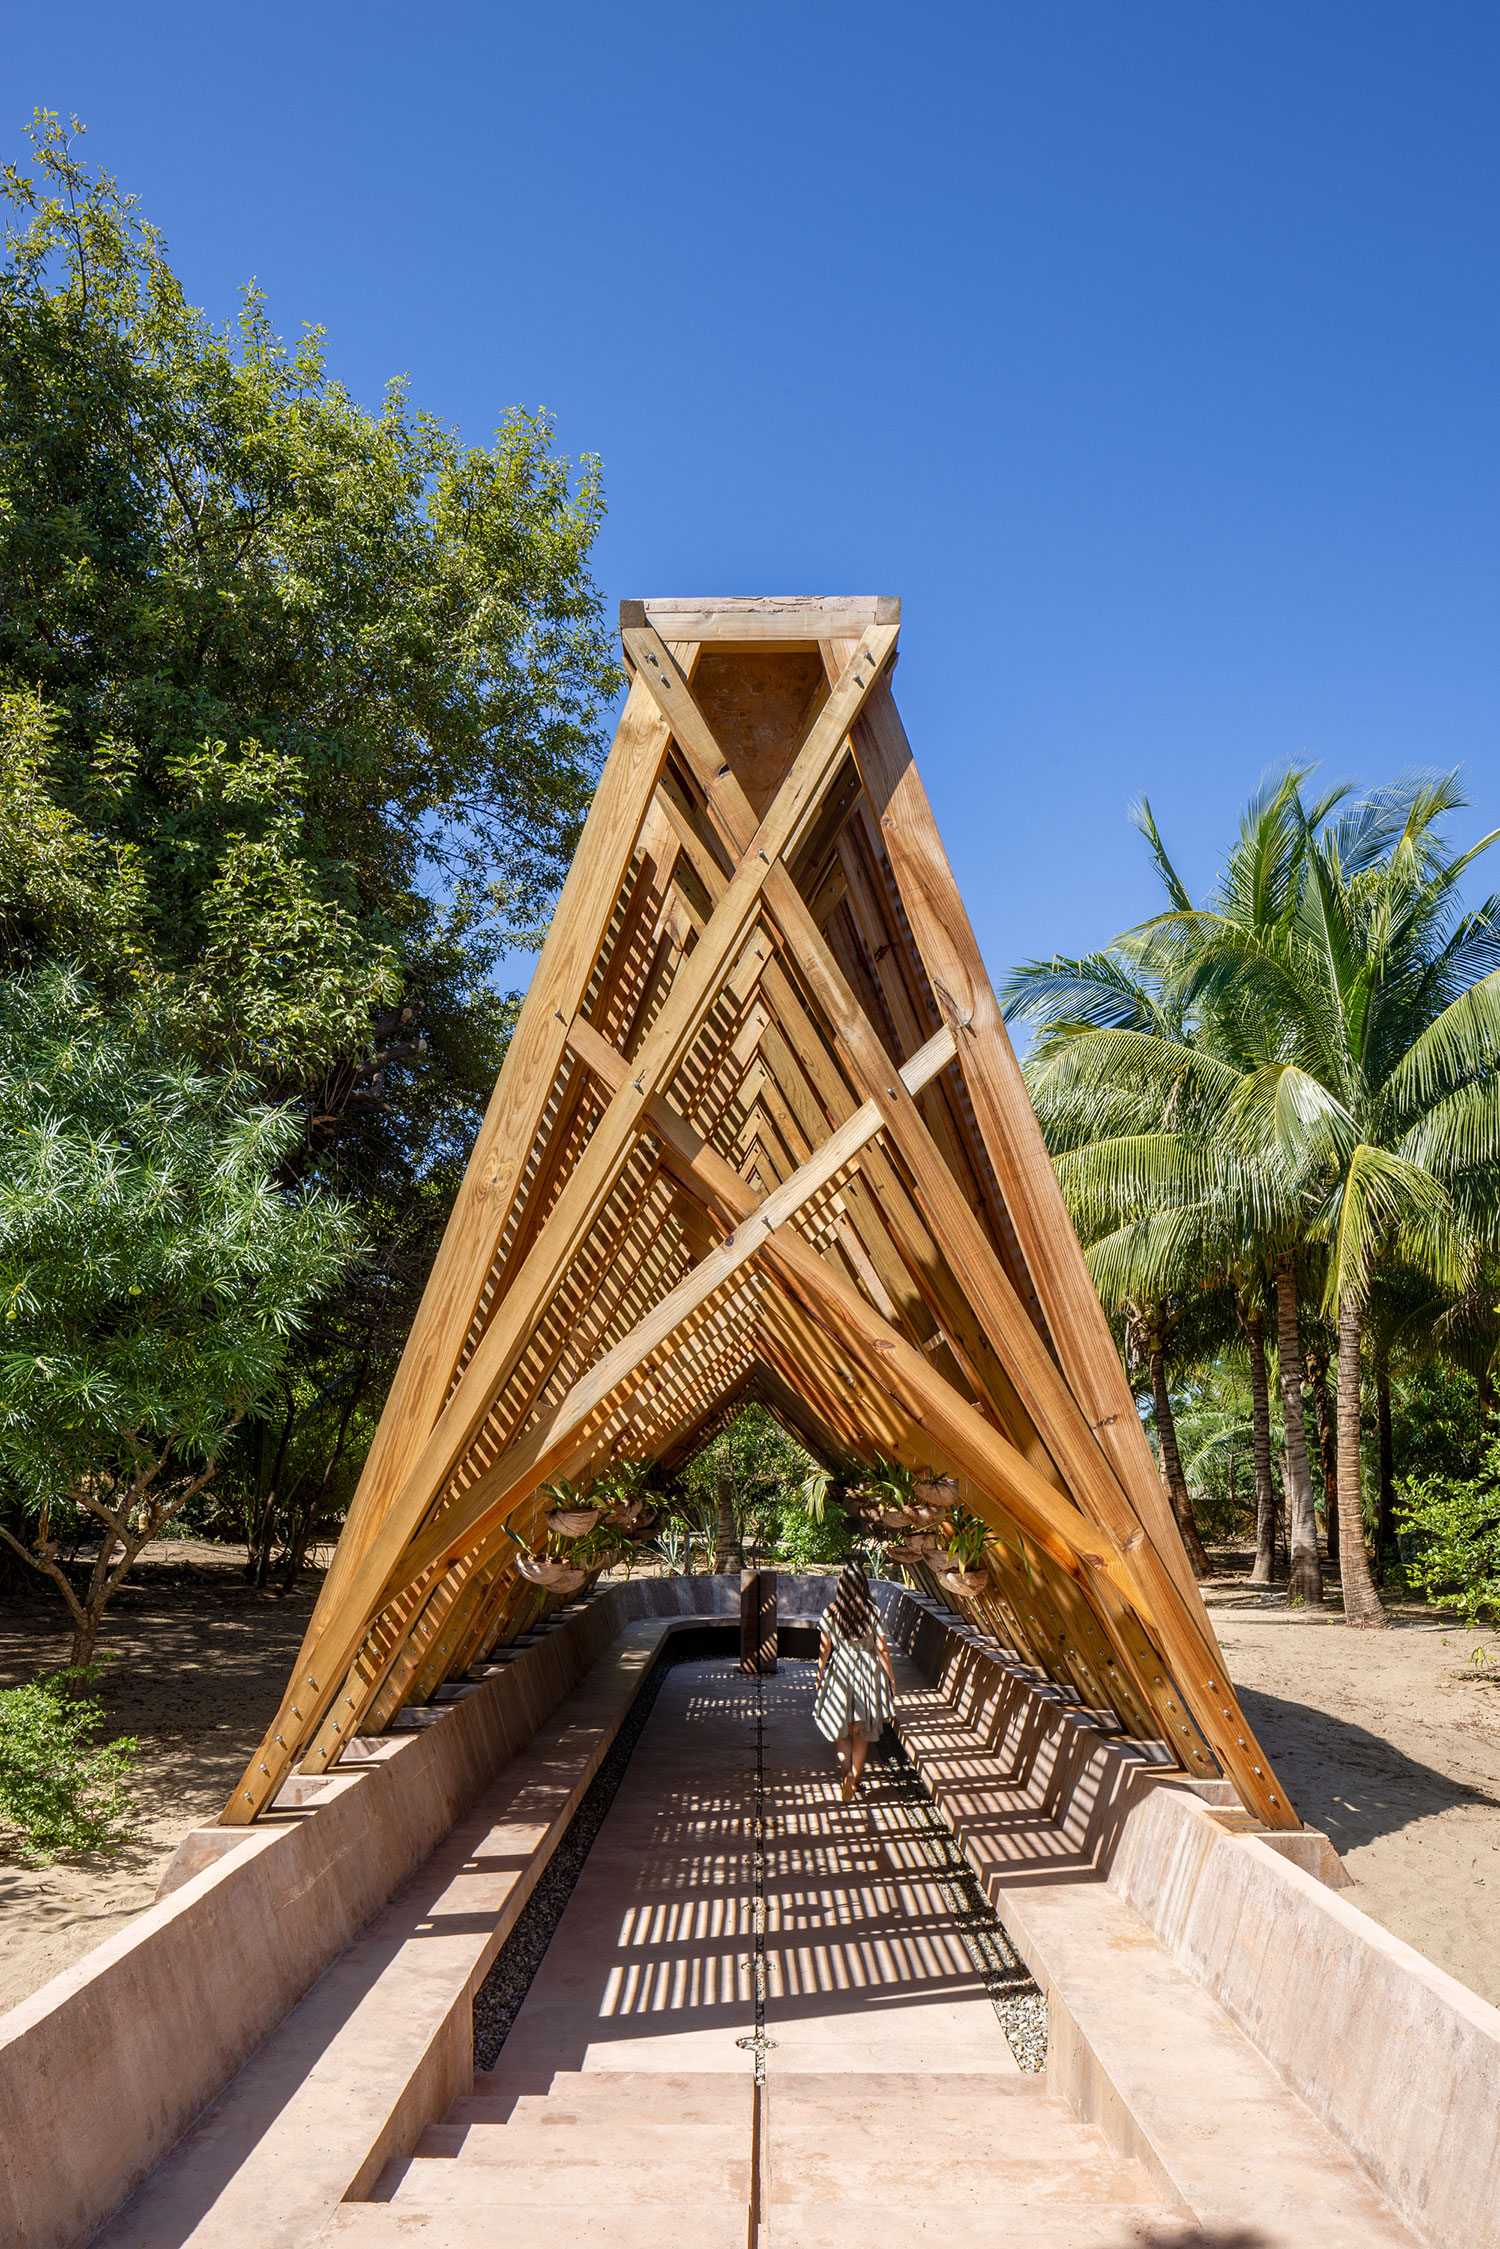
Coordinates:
(201, 1664)
(1391, 1742)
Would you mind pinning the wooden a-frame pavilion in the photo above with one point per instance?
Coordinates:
(760, 1134)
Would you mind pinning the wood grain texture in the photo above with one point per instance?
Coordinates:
(761, 1137)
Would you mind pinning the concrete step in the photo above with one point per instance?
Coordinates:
(705, 2097)
(545, 2138)
(876, 2119)
(618, 2225)
(882, 2225)
(608, 2173)
(895, 2225)
(966, 2179)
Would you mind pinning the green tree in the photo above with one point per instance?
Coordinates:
(319, 688)
(1454, 1524)
(1375, 1010)
(152, 1278)
(743, 1484)
(1121, 1077)
(1318, 1087)
(300, 712)
(59, 1785)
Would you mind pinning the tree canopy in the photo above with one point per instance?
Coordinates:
(1290, 1093)
(301, 708)
(317, 689)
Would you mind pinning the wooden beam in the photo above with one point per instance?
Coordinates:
(1007, 1123)
(525, 1456)
(483, 1203)
(692, 995)
(794, 620)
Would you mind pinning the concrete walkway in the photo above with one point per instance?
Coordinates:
(624, 2109)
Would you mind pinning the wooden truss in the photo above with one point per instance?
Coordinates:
(760, 1134)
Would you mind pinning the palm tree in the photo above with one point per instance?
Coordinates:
(1133, 1076)
(1299, 1075)
(1371, 1010)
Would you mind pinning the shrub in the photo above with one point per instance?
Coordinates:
(1451, 1537)
(58, 1785)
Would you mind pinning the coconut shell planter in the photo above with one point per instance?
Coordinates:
(573, 1522)
(937, 1492)
(556, 1577)
(964, 1581)
(639, 1520)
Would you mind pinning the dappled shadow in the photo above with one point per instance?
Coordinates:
(658, 1938)
(1352, 1783)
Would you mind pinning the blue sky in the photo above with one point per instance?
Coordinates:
(1147, 348)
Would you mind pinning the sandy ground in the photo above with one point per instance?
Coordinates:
(1390, 1742)
(201, 1663)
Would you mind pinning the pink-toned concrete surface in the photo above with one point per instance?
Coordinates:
(104, 2068)
(623, 2104)
(1177, 2099)
(385, 2039)
(1178, 1957)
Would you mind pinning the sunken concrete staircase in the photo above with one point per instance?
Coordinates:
(602, 2157)
(646, 2160)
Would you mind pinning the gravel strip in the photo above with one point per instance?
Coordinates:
(499, 1998)
(1020, 2006)
(1014, 1995)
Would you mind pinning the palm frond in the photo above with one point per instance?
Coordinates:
(1461, 1044)
(1143, 820)
(1379, 1194)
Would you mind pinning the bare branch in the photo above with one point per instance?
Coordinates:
(48, 1568)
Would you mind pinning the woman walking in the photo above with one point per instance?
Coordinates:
(856, 1685)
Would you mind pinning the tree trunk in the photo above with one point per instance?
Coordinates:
(296, 1554)
(1385, 1531)
(1171, 1464)
(1361, 1601)
(1265, 1490)
(724, 1540)
(1305, 1572)
(85, 1633)
(1317, 1376)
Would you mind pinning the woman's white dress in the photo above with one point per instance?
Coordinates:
(855, 1696)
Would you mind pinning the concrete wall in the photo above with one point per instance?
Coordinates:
(1398, 2060)
(106, 2066)
(1401, 2061)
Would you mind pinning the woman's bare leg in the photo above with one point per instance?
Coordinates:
(859, 1749)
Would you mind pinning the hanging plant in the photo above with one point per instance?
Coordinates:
(883, 1496)
(916, 1552)
(555, 1576)
(621, 1489)
(569, 1517)
(962, 1539)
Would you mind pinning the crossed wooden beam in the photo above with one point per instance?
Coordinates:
(760, 1134)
